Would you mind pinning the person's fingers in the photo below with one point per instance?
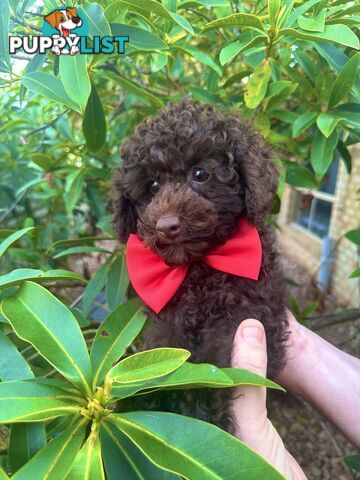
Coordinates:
(249, 406)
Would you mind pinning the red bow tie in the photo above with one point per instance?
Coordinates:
(156, 282)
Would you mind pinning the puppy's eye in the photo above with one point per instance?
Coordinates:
(199, 175)
(62, 19)
(154, 186)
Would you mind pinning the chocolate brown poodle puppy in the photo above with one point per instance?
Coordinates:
(188, 178)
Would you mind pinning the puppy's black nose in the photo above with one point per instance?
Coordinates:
(169, 226)
(76, 19)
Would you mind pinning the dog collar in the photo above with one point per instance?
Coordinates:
(156, 282)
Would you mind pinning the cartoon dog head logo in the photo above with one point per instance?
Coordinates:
(64, 20)
(65, 25)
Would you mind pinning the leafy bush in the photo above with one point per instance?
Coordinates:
(289, 67)
(84, 429)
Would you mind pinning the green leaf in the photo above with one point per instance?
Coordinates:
(279, 94)
(94, 122)
(42, 320)
(139, 38)
(4, 33)
(355, 273)
(327, 123)
(300, 11)
(148, 365)
(42, 160)
(182, 22)
(333, 33)
(177, 444)
(354, 236)
(54, 460)
(322, 152)
(50, 87)
(191, 375)
(138, 90)
(299, 176)
(256, 87)
(26, 439)
(273, 11)
(95, 285)
(117, 282)
(5, 244)
(244, 377)
(73, 188)
(13, 366)
(121, 455)
(80, 249)
(344, 81)
(313, 24)
(247, 39)
(3, 475)
(303, 122)
(75, 241)
(88, 462)
(21, 274)
(345, 155)
(201, 57)
(240, 20)
(75, 78)
(27, 400)
(349, 112)
(97, 23)
(114, 336)
(353, 462)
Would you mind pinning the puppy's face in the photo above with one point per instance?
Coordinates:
(183, 186)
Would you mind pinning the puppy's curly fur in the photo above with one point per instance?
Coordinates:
(157, 179)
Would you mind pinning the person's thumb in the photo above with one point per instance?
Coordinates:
(249, 406)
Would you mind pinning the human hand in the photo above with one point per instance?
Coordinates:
(249, 407)
(325, 376)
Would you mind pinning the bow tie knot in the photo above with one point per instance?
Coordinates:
(156, 282)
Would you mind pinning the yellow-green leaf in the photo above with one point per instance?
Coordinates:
(256, 87)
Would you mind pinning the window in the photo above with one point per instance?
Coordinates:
(313, 209)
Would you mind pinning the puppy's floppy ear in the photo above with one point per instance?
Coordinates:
(124, 216)
(72, 11)
(259, 175)
(52, 18)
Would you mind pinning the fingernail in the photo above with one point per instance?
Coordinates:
(253, 335)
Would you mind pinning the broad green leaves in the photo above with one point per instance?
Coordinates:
(354, 236)
(55, 460)
(322, 152)
(50, 87)
(88, 462)
(94, 122)
(148, 365)
(340, 34)
(344, 81)
(247, 39)
(48, 325)
(299, 176)
(5, 244)
(113, 337)
(240, 20)
(21, 274)
(31, 401)
(196, 375)
(257, 85)
(13, 366)
(184, 446)
(75, 78)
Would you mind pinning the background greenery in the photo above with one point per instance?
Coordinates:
(290, 67)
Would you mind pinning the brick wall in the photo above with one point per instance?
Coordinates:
(345, 216)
